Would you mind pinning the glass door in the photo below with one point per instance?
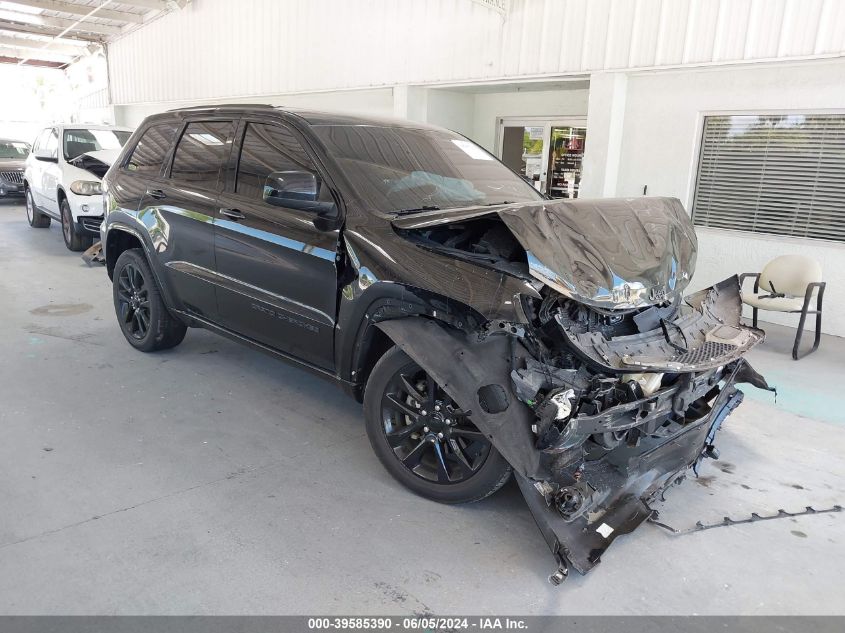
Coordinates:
(564, 162)
(548, 153)
(523, 150)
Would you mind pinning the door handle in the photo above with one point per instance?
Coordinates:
(158, 194)
(233, 214)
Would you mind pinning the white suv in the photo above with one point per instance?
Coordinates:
(62, 178)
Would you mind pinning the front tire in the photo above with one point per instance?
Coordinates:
(36, 219)
(74, 240)
(143, 318)
(423, 440)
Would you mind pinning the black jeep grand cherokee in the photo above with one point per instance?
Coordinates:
(485, 328)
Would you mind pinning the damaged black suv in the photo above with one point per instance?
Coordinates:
(486, 329)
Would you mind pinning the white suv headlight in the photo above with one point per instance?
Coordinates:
(86, 187)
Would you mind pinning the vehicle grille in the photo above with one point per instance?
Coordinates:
(92, 223)
(14, 177)
(709, 351)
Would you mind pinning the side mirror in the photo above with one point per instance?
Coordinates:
(300, 190)
(47, 158)
(282, 187)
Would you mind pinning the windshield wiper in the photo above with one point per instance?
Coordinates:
(427, 207)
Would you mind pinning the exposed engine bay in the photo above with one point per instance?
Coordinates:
(604, 389)
(93, 163)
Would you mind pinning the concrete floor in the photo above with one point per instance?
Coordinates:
(213, 479)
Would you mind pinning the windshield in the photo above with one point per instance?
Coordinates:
(402, 169)
(78, 142)
(13, 149)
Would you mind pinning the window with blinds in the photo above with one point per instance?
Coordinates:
(778, 174)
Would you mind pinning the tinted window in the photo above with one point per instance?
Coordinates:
(149, 153)
(81, 141)
(403, 169)
(268, 149)
(201, 152)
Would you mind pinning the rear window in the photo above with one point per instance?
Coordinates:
(202, 151)
(150, 152)
(13, 149)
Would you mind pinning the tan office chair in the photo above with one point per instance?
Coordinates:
(787, 284)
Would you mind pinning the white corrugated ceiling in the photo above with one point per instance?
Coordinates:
(220, 48)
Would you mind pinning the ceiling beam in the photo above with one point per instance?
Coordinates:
(7, 16)
(30, 44)
(153, 5)
(32, 62)
(77, 9)
(48, 55)
(48, 31)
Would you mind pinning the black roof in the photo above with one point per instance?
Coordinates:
(312, 117)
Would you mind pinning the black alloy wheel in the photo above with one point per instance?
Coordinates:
(143, 317)
(133, 301)
(424, 439)
(428, 433)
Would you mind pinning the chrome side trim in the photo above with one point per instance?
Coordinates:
(252, 292)
(273, 238)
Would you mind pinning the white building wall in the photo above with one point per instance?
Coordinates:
(644, 72)
(378, 102)
(226, 48)
(567, 100)
(661, 126)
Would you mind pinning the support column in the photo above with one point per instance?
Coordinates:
(410, 102)
(605, 123)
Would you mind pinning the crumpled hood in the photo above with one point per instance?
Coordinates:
(611, 252)
(617, 252)
(107, 156)
(96, 162)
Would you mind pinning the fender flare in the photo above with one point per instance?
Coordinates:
(386, 301)
(464, 365)
(117, 226)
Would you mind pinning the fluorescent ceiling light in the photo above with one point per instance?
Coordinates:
(206, 138)
(26, 18)
(20, 8)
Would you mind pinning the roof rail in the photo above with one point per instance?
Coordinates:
(220, 106)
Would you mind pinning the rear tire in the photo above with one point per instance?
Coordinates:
(36, 219)
(74, 240)
(144, 320)
(412, 442)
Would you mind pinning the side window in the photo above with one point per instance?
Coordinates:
(41, 139)
(51, 145)
(202, 151)
(274, 167)
(149, 153)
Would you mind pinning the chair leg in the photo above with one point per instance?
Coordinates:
(799, 333)
(754, 317)
(816, 340)
(818, 337)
